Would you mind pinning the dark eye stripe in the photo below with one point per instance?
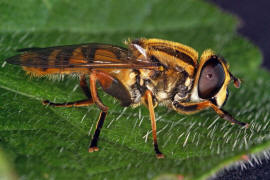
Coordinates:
(211, 78)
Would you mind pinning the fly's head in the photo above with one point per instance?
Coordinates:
(212, 79)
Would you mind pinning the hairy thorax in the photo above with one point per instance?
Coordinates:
(166, 86)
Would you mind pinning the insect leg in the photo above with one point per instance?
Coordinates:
(85, 87)
(85, 102)
(225, 115)
(189, 108)
(93, 145)
(149, 98)
(103, 79)
(94, 77)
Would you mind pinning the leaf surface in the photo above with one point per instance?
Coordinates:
(46, 142)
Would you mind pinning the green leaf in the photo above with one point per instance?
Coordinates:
(6, 172)
(51, 143)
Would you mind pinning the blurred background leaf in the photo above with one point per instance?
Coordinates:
(6, 171)
(48, 143)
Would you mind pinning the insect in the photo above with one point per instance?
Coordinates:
(149, 72)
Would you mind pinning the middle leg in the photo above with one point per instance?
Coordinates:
(149, 99)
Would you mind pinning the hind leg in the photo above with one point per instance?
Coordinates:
(85, 102)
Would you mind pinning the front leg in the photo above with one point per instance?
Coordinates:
(188, 108)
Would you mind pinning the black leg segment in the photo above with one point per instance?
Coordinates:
(93, 145)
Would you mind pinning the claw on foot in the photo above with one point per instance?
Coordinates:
(93, 149)
(160, 156)
(45, 102)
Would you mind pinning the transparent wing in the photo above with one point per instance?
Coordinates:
(92, 55)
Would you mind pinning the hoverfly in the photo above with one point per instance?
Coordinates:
(149, 72)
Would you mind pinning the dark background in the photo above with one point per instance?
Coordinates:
(254, 16)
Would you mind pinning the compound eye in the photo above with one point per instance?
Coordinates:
(211, 78)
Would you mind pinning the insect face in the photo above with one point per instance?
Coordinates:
(212, 79)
